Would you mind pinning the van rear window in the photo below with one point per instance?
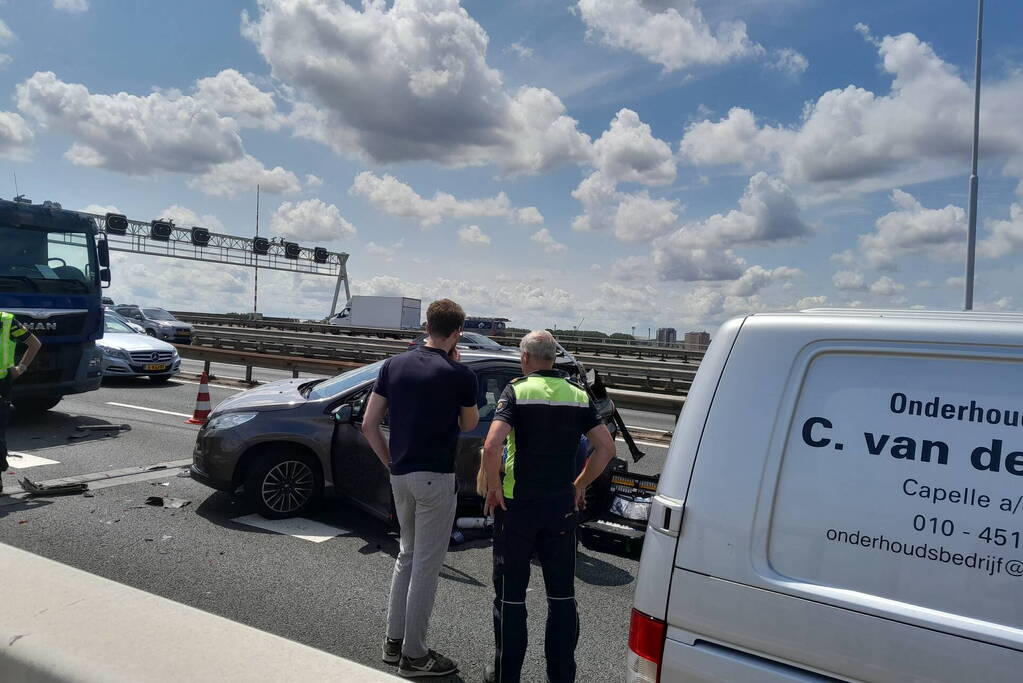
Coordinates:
(902, 477)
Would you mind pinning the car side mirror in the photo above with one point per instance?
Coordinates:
(343, 414)
(103, 252)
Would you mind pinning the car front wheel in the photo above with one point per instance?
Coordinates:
(283, 484)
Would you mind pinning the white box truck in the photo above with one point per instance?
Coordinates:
(385, 312)
(842, 501)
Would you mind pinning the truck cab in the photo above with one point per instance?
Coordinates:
(53, 266)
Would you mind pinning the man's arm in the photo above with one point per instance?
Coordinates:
(22, 336)
(371, 419)
(469, 412)
(604, 450)
(493, 450)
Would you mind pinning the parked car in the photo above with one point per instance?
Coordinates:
(158, 323)
(109, 311)
(130, 353)
(841, 501)
(469, 341)
(287, 442)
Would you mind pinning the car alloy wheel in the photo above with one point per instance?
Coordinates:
(288, 486)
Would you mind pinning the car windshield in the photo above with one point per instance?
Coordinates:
(479, 340)
(335, 386)
(38, 260)
(115, 325)
(158, 314)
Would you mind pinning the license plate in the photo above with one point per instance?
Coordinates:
(155, 367)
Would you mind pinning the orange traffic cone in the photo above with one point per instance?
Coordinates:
(202, 403)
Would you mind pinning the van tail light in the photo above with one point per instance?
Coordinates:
(646, 646)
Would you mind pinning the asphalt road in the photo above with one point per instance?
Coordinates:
(331, 594)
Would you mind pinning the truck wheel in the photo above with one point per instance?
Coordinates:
(283, 483)
(35, 405)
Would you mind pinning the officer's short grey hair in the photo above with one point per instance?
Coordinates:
(539, 344)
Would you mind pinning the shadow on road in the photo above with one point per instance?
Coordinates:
(596, 572)
(10, 507)
(53, 428)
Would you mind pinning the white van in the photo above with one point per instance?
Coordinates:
(842, 500)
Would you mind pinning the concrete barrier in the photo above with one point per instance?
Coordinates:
(60, 624)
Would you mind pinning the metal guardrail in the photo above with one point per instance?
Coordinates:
(623, 398)
(627, 373)
(637, 350)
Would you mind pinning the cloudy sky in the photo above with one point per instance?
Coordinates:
(613, 162)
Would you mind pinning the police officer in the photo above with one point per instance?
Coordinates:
(12, 335)
(542, 415)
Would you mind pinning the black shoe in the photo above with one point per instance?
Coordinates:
(490, 674)
(392, 650)
(430, 664)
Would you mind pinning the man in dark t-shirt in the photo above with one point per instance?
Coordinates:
(431, 398)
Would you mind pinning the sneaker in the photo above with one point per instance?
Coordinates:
(392, 650)
(430, 664)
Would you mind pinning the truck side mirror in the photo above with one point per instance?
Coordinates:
(104, 276)
(104, 254)
(343, 414)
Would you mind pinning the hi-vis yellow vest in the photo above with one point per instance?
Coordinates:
(6, 343)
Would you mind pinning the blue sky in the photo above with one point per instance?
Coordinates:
(620, 162)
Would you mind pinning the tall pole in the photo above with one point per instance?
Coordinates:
(971, 243)
(255, 258)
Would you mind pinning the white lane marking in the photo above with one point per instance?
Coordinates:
(647, 429)
(297, 527)
(217, 386)
(645, 443)
(150, 410)
(21, 461)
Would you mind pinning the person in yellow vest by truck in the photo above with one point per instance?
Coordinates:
(13, 336)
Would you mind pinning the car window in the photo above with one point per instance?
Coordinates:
(158, 314)
(336, 386)
(112, 324)
(491, 385)
(479, 340)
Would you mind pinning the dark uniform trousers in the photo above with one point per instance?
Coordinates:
(543, 525)
(5, 411)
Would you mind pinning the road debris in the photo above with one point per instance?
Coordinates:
(166, 502)
(55, 489)
(161, 483)
(104, 428)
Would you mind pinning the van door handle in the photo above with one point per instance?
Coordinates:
(666, 515)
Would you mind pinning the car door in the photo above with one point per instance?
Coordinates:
(358, 473)
(491, 381)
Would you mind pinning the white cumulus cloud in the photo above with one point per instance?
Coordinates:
(550, 245)
(914, 229)
(73, 6)
(15, 137)
(408, 81)
(186, 218)
(311, 219)
(472, 235)
(672, 33)
(232, 178)
(232, 94)
(392, 196)
(854, 140)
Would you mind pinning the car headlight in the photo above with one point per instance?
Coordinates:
(229, 420)
(111, 352)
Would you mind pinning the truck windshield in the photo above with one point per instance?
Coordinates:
(157, 314)
(38, 260)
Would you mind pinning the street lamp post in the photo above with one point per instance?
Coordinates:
(971, 239)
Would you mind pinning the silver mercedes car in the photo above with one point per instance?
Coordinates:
(129, 353)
